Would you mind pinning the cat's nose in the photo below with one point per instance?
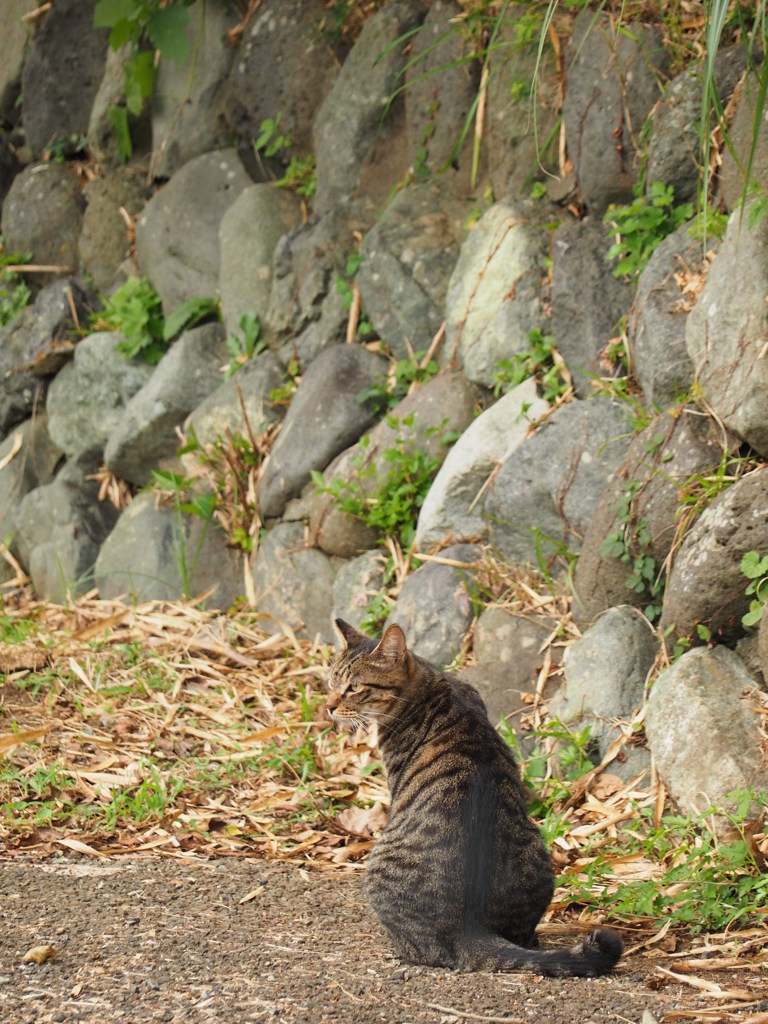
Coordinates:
(334, 699)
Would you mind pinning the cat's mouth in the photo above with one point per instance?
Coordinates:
(347, 721)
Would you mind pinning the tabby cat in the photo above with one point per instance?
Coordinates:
(460, 876)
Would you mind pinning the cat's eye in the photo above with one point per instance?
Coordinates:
(355, 687)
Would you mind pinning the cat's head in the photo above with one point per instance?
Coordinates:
(366, 679)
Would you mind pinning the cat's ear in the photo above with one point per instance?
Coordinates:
(348, 635)
(392, 646)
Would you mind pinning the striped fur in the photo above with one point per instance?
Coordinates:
(460, 876)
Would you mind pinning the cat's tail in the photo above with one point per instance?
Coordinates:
(597, 953)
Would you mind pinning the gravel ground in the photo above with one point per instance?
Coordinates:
(181, 941)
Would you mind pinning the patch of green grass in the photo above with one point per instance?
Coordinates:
(14, 292)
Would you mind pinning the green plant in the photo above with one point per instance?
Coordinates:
(164, 24)
(283, 395)
(136, 311)
(389, 389)
(639, 227)
(541, 361)
(630, 542)
(393, 507)
(176, 487)
(243, 346)
(14, 293)
(755, 568)
(299, 173)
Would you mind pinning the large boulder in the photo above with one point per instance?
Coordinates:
(353, 139)
(434, 606)
(147, 430)
(62, 75)
(408, 258)
(706, 584)
(605, 675)
(185, 115)
(104, 243)
(28, 459)
(657, 322)
(496, 290)
(43, 215)
(453, 506)
(87, 397)
(324, 418)
(704, 730)
(443, 405)
(158, 553)
(726, 332)
(283, 68)
(587, 302)
(294, 584)
(248, 236)
(14, 44)
(638, 515)
(177, 234)
(545, 494)
(612, 76)
(60, 527)
(34, 346)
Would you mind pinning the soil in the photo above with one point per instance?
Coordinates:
(235, 941)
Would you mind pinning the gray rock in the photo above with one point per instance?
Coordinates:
(726, 332)
(675, 147)
(60, 528)
(87, 397)
(659, 463)
(357, 583)
(43, 214)
(305, 313)
(606, 671)
(104, 243)
(14, 43)
(157, 553)
(408, 258)
(434, 606)
(177, 235)
(418, 422)
(702, 705)
(324, 418)
(28, 459)
(441, 87)
(283, 66)
(249, 233)
(546, 492)
(516, 154)
(62, 75)
(706, 584)
(185, 121)
(146, 431)
(35, 345)
(294, 584)
(495, 292)
(741, 135)
(454, 507)
(352, 116)
(657, 322)
(240, 406)
(587, 301)
(612, 84)
(508, 648)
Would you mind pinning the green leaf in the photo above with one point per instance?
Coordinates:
(107, 13)
(188, 314)
(139, 75)
(755, 613)
(118, 118)
(165, 29)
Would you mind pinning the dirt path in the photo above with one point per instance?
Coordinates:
(165, 940)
